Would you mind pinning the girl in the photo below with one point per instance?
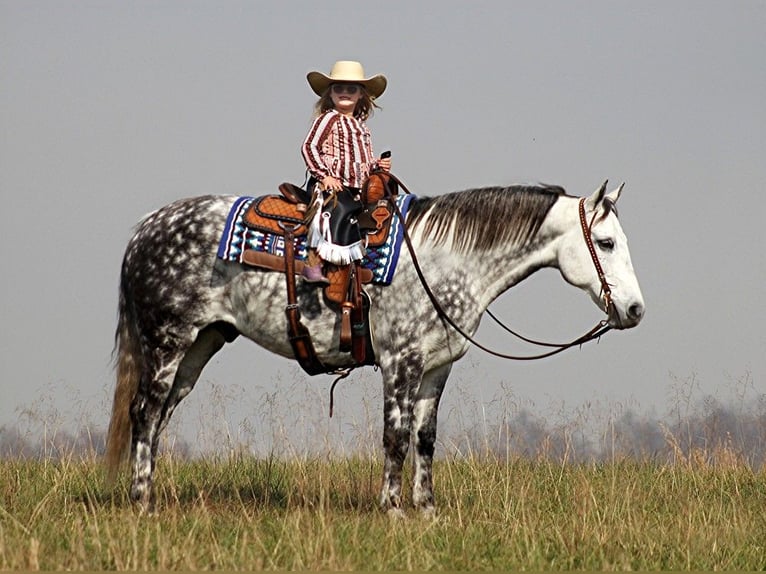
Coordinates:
(338, 153)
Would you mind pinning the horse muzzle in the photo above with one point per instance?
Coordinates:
(627, 318)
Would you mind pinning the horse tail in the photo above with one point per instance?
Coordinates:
(129, 365)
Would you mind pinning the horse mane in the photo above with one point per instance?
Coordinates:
(481, 219)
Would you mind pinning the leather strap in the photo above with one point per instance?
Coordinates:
(606, 291)
(269, 261)
(359, 323)
(272, 262)
(345, 326)
(300, 338)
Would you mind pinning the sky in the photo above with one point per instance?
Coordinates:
(109, 110)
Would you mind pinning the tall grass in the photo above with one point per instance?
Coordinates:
(593, 489)
(242, 512)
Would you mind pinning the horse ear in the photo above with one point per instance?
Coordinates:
(614, 195)
(592, 202)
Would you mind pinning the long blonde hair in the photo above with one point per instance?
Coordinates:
(363, 110)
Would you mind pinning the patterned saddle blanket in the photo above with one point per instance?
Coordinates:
(246, 229)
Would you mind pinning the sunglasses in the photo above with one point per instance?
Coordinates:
(347, 88)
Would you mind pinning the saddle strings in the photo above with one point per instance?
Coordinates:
(341, 374)
(596, 332)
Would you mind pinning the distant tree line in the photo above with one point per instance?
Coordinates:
(714, 435)
(711, 433)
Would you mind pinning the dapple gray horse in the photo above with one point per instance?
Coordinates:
(179, 304)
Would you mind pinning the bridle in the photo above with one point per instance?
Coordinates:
(595, 333)
(606, 291)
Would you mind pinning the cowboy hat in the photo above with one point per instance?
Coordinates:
(348, 72)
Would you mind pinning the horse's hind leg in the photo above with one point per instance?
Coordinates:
(155, 402)
(424, 436)
(146, 414)
(209, 341)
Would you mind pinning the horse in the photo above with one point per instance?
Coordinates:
(179, 304)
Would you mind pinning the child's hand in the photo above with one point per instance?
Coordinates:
(385, 163)
(330, 183)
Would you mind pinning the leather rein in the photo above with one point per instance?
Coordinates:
(595, 333)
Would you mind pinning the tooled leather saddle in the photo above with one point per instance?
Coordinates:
(368, 215)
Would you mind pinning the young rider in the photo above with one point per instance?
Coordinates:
(338, 153)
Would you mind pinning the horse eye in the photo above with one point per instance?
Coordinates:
(605, 244)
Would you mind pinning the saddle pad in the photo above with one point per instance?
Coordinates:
(382, 260)
(237, 237)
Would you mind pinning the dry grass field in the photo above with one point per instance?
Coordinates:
(705, 512)
(687, 492)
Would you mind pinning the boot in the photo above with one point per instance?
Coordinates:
(313, 274)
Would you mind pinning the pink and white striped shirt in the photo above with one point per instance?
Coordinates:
(340, 146)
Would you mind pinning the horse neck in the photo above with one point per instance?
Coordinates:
(500, 269)
(488, 271)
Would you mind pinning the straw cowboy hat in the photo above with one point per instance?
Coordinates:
(348, 72)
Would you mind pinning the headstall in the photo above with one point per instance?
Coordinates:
(606, 291)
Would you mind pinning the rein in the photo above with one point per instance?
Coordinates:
(595, 333)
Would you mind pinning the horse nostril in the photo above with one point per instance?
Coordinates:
(636, 311)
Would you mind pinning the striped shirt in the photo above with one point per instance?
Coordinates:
(340, 146)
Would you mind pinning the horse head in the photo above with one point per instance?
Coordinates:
(593, 255)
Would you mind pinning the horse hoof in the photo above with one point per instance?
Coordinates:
(396, 514)
(143, 501)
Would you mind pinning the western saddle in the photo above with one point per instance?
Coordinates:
(286, 215)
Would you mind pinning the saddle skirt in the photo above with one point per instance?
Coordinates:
(267, 212)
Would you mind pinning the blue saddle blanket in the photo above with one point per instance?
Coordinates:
(237, 237)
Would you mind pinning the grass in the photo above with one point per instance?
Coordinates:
(320, 513)
(609, 490)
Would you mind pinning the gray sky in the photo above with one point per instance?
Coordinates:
(109, 110)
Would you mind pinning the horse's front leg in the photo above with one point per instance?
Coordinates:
(424, 436)
(401, 377)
